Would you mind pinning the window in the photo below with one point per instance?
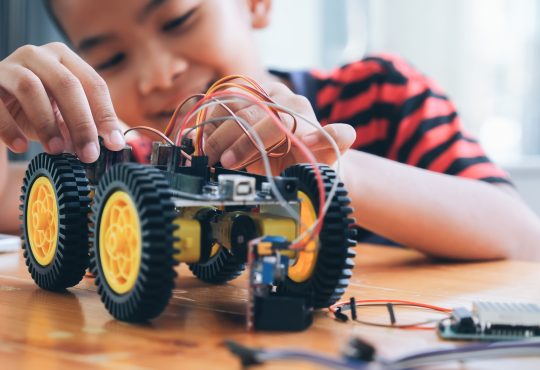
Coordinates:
(484, 53)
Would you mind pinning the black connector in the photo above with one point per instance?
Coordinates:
(107, 158)
(463, 321)
(340, 316)
(281, 313)
(352, 304)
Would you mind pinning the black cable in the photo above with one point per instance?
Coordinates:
(353, 308)
(391, 312)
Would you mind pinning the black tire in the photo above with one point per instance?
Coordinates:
(219, 269)
(334, 264)
(70, 185)
(152, 289)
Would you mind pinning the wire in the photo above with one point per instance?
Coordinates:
(254, 97)
(468, 352)
(385, 301)
(169, 129)
(152, 130)
(251, 88)
(338, 308)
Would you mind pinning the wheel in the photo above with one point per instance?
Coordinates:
(220, 268)
(132, 254)
(222, 265)
(321, 275)
(55, 205)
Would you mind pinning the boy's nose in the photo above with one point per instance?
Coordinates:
(159, 70)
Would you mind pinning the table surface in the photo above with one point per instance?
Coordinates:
(45, 330)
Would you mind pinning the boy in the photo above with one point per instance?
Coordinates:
(152, 54)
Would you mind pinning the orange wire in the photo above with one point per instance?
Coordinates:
(271, 149)
(399, 301)
(152, 130)
(254, 89)
(361, 302)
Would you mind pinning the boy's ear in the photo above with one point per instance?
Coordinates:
(260, 12)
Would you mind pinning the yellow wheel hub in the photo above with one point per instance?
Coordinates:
(42, 220)
(215, 249)
(303, 267)
(120, 242)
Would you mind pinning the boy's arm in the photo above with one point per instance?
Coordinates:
(11, 176)
(442, 215)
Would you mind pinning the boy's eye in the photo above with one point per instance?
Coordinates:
(115, 60)
(178, 22)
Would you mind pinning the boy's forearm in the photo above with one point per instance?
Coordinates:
(441, 215)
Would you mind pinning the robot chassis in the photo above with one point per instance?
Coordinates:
(131, 224)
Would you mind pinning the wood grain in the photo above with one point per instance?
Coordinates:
(44, 330)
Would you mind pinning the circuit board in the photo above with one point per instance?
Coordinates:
(492, 321)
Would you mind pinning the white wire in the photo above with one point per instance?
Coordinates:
(333, 190)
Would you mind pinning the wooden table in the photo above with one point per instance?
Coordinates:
(44, 330)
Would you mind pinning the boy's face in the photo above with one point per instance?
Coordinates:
(155, 53)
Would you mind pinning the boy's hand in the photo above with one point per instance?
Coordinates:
(50, 94)
(227, 143)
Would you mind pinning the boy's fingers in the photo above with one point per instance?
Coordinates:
(226, 133)
(10, 133)
(27, 88)
(343, 134)
(243, 149)
(71, 98)
(98, 96)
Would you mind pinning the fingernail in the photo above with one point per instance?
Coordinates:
(228, 159)
(18, 145)
(90, 152)
(56, 145)
(117, 139)
(310, 139)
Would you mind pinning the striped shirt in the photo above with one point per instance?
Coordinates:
(398, 114)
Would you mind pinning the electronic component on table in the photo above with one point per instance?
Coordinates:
(268, 265)
(493, 321)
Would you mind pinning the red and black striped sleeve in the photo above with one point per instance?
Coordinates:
(400, 114)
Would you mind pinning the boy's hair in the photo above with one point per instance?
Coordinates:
(47, 4)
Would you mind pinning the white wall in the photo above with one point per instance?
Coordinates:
(292, 40)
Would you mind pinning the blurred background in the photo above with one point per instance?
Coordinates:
(484, 53)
